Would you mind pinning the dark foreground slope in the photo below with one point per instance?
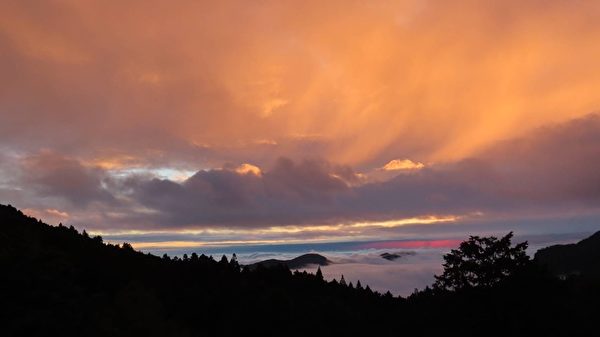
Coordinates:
(57, 282)
(581, 258)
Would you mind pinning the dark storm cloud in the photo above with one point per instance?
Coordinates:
(53, 175)
(288, 193)
(556, 163)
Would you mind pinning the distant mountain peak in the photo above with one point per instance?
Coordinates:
(299, 262)
(395, 255)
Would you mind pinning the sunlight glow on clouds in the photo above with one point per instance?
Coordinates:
(50, 214)
(275, 119)
(248, 168)
(402, 164)
(409, 221)
(432, 81)
(270, 235)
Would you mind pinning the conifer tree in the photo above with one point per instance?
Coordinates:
(319, 274)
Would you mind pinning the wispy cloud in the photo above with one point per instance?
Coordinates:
(429, 81)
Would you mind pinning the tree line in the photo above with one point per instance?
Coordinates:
(59, 282)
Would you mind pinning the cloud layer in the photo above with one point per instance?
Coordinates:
(551, 171)
(299, 120)
(198, 83)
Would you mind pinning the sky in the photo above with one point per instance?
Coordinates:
(201, 124)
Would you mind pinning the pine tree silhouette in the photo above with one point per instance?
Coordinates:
(319, 274)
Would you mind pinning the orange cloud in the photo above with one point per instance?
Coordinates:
(48, 214)
(248, 169)
(433, 81)
(402, 164)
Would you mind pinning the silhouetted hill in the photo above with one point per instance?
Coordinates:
(395, 256)
(58, 282)
(299, 262)
(581, 258)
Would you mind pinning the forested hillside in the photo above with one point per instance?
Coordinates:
(59, 282)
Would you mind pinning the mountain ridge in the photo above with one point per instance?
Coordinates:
(581, 258)
(302, 261)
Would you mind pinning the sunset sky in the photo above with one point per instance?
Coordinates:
(201, 123)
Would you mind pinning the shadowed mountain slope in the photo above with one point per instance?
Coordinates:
(58, 282)
(581, 258)
(299, 262)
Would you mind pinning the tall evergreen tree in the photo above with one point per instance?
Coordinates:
(319, 274)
